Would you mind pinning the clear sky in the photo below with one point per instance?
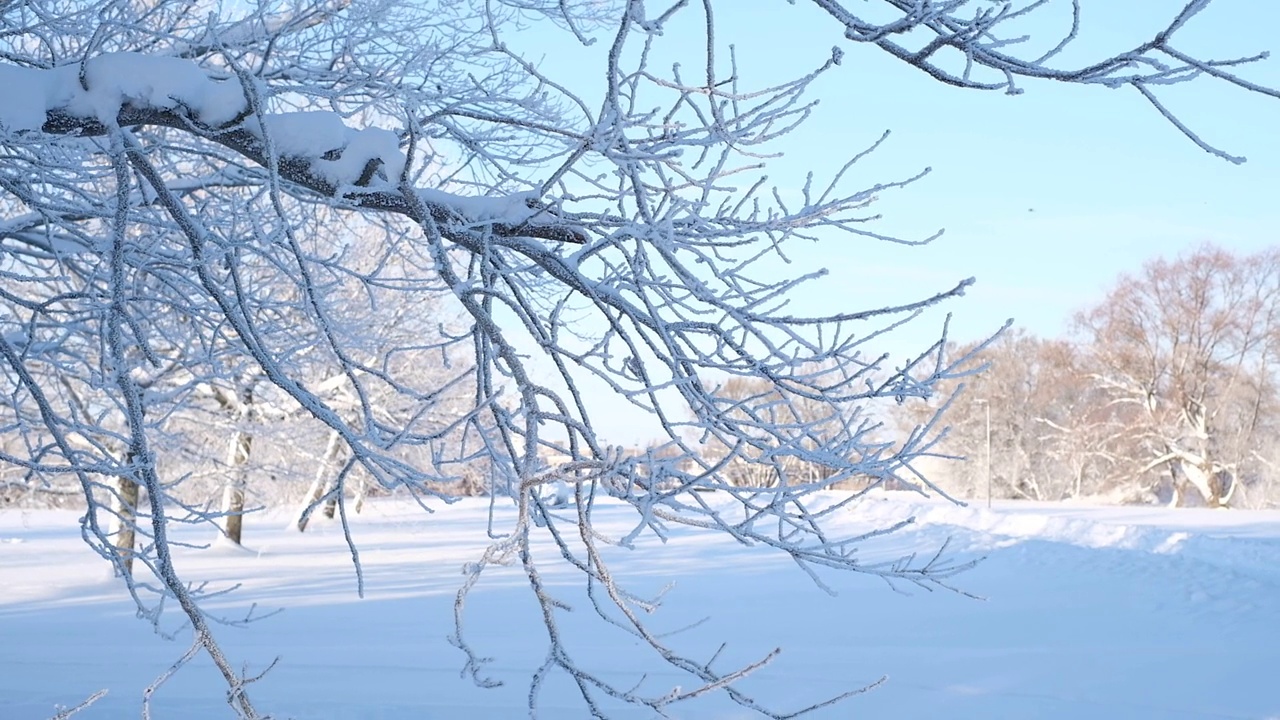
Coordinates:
(1045, 197)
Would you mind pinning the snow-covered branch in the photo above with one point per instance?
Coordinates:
(371, 243)
(316, 150)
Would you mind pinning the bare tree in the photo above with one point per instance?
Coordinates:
(1031, 403)
(1173, 383)
(1192, 346)
(129, 126)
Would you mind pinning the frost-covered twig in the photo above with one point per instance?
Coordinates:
(983, 45)
(65, 713)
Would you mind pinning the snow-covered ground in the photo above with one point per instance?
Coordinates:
(1085, 613)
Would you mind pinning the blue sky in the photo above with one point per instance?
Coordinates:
(1045, 197)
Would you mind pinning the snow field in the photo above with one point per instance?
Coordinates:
(1086, 612)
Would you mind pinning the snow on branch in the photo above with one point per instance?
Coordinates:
(315, 149)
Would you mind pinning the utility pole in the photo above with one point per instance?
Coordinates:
(987, 458)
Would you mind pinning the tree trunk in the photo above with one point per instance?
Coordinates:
(238, 453)
(362, 490)
(233, 493)
(331, 505)
(1207, 482)
(319, 485)
(126, 518)
(1232, 483)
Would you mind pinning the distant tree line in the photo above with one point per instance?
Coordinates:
(1165, 391)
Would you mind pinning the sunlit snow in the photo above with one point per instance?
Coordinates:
(1086, 612)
